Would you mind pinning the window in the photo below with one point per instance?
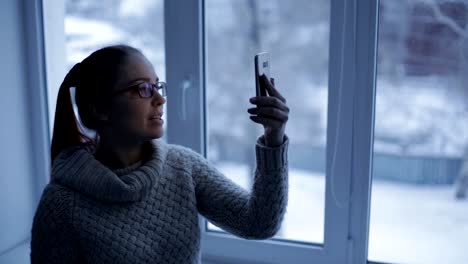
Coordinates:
(324, 59)
(420, 134)
(235, 32)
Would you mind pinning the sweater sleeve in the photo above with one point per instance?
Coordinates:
(52, 235)
(253, 215)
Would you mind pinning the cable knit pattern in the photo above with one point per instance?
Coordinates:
(148, 212)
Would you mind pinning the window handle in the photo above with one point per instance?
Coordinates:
(185, 85)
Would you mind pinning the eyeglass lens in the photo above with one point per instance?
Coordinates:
(148, 89)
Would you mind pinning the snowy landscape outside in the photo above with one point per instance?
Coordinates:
(421, 120)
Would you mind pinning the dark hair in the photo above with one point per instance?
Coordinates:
(94, 79)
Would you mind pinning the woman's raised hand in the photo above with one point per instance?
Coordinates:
(271, 111)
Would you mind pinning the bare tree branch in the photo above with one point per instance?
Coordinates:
(446, 19)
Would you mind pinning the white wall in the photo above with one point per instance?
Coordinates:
(20, 136)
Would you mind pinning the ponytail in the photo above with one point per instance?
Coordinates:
(66, 130)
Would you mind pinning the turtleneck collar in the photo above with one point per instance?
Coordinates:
(78, 169)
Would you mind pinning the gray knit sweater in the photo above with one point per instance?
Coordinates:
(148, 213)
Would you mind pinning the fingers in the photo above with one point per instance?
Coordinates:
(268, 122)
(269, 85)
(269, 112)
(268, 101)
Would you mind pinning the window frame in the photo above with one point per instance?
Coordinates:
(37, 99)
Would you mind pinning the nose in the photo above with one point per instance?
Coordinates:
(158, 99)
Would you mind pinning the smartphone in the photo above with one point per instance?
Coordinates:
(262, 66)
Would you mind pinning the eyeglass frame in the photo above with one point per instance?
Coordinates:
(137, 86)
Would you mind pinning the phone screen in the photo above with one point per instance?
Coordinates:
(262, 66)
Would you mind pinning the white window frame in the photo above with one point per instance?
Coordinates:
(352, 55)
(37, 94)
(349, 132)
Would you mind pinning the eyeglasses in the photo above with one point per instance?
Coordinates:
(146, 89)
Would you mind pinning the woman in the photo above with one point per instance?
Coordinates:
(123, 197)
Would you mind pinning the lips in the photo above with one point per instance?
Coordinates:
(157, 116)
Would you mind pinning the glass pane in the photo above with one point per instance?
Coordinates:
(90, 25)
(296, 33)
(419, 213)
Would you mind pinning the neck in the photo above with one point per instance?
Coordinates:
(119, 155)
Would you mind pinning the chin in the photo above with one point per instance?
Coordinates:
(156, 134)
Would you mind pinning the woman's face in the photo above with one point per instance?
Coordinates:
(132, 118)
